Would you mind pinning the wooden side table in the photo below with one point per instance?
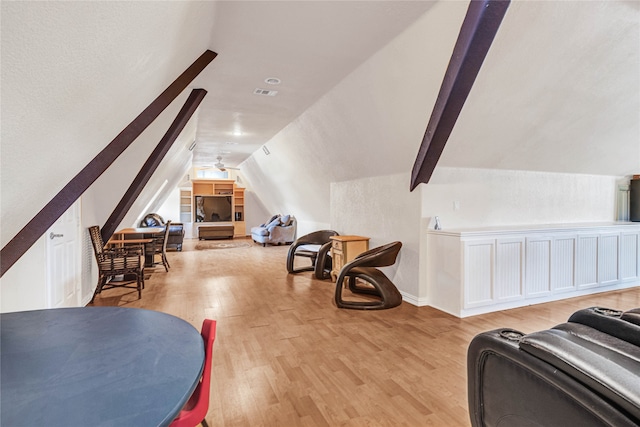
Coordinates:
(344, 249)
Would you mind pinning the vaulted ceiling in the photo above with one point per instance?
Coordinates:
(561, 80)
(309, 46)
(559, 89)
(559, 92)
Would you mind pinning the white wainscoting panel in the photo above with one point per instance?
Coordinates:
(509, 267)
(608, 258)
(587, 261)
(479, 256)
(629, 256)
(538, 262)
(563, 271)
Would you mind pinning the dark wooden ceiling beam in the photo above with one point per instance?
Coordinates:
(149, 167)
(478, 30)
(49, 214)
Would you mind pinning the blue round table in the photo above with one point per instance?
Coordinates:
(96, 366)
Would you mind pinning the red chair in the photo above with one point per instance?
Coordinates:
(195, 410)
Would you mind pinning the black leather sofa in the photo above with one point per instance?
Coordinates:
(176, 230)
(585, 372)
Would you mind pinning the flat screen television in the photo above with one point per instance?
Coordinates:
(213, 208)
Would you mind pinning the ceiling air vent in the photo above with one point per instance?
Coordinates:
(265, 92)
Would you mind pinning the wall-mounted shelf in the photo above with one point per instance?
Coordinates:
(213, 188)
(238, 206)
(185, 206)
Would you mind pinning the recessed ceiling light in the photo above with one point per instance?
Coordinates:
(237, 133)
(273, 81)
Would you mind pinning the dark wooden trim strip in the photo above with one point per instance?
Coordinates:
(49, 214)
(476, 35)
(147, 170)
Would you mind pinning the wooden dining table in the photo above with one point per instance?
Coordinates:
(133, 234)
(96, 366)
(129, 241)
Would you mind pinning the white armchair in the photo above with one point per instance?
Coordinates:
(279, 229)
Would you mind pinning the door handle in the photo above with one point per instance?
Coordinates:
(53, 235)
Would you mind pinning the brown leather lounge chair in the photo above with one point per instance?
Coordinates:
(318, 253)
(585, 372)
(363, 267)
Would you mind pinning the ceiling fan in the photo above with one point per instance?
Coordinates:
(221, 165)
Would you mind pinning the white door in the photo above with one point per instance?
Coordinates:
(63, 259)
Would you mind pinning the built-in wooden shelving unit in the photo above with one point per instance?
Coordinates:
(211, 187)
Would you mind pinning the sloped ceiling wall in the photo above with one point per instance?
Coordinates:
(558, 92)
(309, 45)
(74, 74)
(370, 124)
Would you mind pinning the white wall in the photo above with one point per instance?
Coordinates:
(370, 124)
(106, 192)
(23, 287)
(464, 198)
(344, 161)
(477, 198)
(383, 209)
(62, 103)
(68, 89)
(255, 213)
(170, 209)
(558, 92)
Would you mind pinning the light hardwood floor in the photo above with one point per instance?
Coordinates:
(284, 355)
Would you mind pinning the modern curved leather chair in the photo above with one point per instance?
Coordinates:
(314, 246)
(363, 267)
